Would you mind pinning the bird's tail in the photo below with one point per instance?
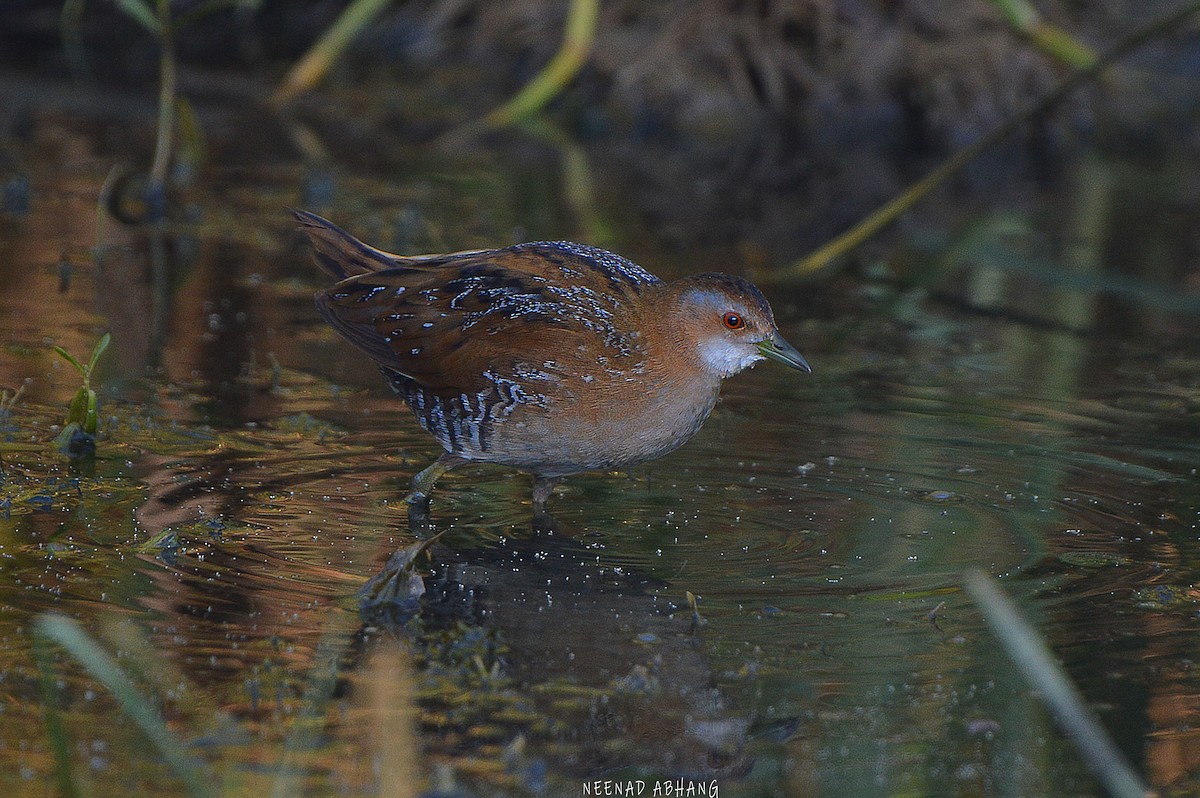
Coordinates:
(338, 252)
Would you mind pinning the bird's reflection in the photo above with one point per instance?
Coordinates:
(571, 625)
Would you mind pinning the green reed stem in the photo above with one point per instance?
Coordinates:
(160, 167)
(310, 69)
(60, 747)
(1050, 39)
(1027, 649)
(856, 235)
(578, 36)
(68, 634)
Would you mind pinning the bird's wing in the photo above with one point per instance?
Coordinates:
(456, 323)
(459, 325)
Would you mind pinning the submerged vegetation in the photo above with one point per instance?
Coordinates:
(78, 435)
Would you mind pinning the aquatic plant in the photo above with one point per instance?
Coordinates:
(1049, 38)
(158, 20)
(136, 706)
(1088, 71)
(579, 34)
(8, 401)
(78, 436)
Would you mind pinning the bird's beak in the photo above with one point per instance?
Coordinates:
(775, 348)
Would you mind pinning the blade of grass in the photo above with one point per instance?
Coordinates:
(64, 776)
(141, 661)
(68, 634)
(1050, 39)
(578, 35)
(856, 235)
(67, 356)
(140, 11)
(97, 351)
(1027, 649)
(309, 70)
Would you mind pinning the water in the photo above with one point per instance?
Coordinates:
(249, 478)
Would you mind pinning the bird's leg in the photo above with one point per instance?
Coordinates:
(542, 488)
(422, 483)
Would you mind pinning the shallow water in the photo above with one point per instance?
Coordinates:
(249, 478)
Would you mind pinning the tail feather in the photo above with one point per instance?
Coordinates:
(338, 252)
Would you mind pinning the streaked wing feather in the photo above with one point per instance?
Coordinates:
(449, 325)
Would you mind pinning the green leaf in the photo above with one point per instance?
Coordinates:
(306, 72)
(70, 359)
(63, 439)
(89, 421)
(97, 351)
(1042, 670)
(140, 11)
(60, 744)
(578, 36)
(77, 412)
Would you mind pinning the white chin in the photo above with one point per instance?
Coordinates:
(747, 361)
(726, 359)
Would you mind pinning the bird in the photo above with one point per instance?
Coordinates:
(551, 357)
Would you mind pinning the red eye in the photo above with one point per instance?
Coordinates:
(733, 321)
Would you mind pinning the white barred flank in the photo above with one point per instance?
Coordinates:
(463, 423)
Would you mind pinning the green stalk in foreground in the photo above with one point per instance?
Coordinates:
(55, 731)
(102, 667)
(1044, 674)
(856, 235)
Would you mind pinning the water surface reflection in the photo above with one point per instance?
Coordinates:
(249, 482)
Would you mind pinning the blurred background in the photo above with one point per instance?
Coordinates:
(1007, 376)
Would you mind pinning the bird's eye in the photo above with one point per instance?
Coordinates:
(733, 321)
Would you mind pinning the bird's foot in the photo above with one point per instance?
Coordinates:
(416, 496)
(422, 483)
(542, 488)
